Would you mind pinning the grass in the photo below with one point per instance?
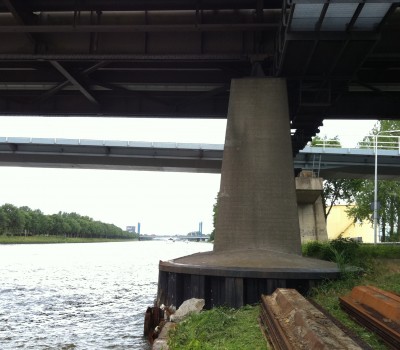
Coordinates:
(380, 266)
(50, 239)
(230, 329)
(382, 273)
(219, 329)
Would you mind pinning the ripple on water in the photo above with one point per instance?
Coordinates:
(80, 296)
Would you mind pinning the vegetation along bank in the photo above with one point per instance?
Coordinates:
(230, 329)
(24, 225)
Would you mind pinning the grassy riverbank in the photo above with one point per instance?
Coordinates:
(382, 273)
(220, 328)
(52, 239)
(229, 329)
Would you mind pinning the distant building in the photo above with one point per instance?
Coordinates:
(338, 223)
(131, 229)
(194, 234)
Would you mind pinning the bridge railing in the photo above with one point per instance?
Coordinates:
(109, 143)
(382, 145)
(383, 142)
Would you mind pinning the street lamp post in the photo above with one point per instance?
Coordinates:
(375, 216)
(376, 191)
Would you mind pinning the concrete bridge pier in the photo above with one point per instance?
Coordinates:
(310, 207)
(257, 243)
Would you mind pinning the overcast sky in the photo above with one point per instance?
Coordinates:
(163, 202)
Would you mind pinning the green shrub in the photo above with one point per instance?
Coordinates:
(385, 251)
(318, 250)
(348, 252)
(346, 248)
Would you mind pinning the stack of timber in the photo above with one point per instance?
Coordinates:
(376, 309)
(289, 321)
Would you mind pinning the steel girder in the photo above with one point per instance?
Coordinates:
(177, 58)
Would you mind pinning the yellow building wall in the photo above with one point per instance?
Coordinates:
(338, 223)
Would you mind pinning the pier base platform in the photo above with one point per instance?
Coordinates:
(239, 277)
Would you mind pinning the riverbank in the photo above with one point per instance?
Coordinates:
(54, 239)
(220, 328)
(381, 268)
(381, 272)
(215, 329)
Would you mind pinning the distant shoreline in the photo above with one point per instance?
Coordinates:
(54, 239)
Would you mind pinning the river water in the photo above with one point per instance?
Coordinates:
(80, 296)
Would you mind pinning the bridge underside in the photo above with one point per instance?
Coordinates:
(177, 58)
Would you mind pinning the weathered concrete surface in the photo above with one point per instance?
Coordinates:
(268, 262)
(257, 199)
(293, 321)
(308, 189)
(257, 242)
(310, 209)
(312, 221)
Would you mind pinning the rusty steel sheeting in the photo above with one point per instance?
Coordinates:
(291, 322)
(377, 310)
(272, 329)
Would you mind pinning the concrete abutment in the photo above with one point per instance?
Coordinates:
(257, 243)
(310, 208)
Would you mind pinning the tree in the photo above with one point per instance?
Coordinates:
(4, 221)
(335, 190)
(15, 219)
(215, 214)
(388, 190)
(318, 141)
(43, 223)
(388, 210)
(30, 225)
(75, 226)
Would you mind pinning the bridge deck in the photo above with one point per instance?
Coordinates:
(187, 157)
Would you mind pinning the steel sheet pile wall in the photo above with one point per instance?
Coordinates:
(377, 310)
(291, 322)
(233, 291)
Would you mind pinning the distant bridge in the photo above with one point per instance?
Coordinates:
(197, 238)
(181, 157)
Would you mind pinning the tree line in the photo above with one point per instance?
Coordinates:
(22, 221)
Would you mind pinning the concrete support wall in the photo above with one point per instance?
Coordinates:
(312, 221)
(311, 212)
(257, 206)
